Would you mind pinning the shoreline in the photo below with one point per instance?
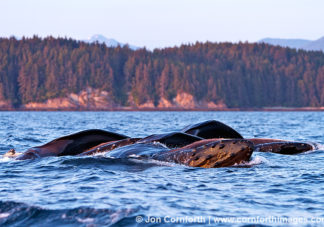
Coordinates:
(132, 109)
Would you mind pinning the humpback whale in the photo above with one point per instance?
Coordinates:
(109, 146)
(221, 153)
(212, 129)
(71, 144)
(171, 140)
(205, 154)
(209, 144)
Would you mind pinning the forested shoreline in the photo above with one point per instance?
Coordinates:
(242, 75)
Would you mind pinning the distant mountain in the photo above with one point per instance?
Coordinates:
(109, 42)
(292, 43)
(296, 43)
(315, 45)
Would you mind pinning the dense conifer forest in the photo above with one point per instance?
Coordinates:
(240, 75)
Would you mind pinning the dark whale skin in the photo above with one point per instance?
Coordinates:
(109, 146)
(212, 129)
(171, 140)
(73, 144)
(215, 154)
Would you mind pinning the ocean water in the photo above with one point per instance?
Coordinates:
(270, 190)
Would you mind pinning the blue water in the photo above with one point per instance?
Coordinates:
(98, 190)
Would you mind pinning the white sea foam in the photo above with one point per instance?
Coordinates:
(319, 146)
(4, 215)
(85, 220)
(134, 156)
(152, 161)
(156, 143)
(256, 160)
(5, 159)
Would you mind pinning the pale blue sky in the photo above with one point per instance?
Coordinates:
(160, 23)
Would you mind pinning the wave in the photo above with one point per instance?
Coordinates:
(20, 214)
(121, 164)
(256, 160)
(319, 146)
(5, 159)
(27, 139)
(153, 162)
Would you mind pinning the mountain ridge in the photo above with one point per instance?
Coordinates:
(108, 42)
(304, 44)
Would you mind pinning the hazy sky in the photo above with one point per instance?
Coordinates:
(159, 23)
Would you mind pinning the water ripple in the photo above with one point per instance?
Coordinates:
(100, 190)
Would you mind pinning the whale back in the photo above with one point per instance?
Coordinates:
(219, 153)
(109, 146)
(284, 147)
(84, 140)
(212, 129)
(258, 141)
(72, 144)
(171, 140)
(137, 150)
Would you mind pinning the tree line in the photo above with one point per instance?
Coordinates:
(240, 75)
